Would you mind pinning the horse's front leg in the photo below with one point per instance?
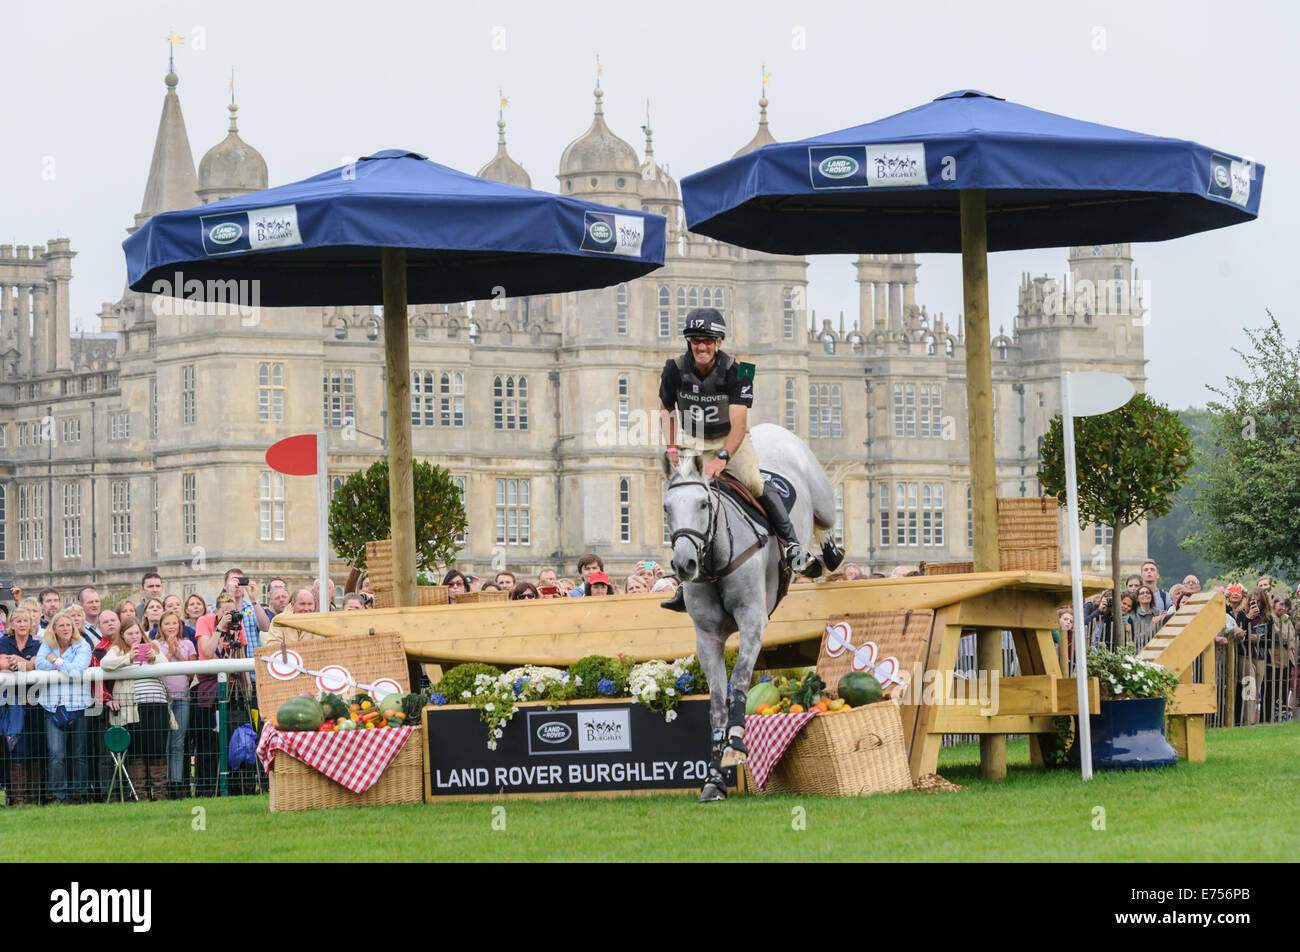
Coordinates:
(709, 642)
(751, 620)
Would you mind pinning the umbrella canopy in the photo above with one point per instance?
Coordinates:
(973, 173)
(392, 228)
(893, 186)
(319, 241)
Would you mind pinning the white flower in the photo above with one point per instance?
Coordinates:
(499, 733)
(489, 706)
(492, 745)
(670, 691)
(465, 694)
(670, 716)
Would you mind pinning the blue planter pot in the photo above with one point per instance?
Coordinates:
(1129, 735)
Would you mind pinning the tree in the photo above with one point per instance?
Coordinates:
(1165, 535)
(359, 514)
(1130, 464)
(1249, 495)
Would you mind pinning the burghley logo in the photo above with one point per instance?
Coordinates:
(603, 731)
(77, 905)
(1221, 177)
(554, 732)
(838, 166)
(227, 234)
(902, 164)
(1230, 179)
(601, 232)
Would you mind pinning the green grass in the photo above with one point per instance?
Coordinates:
(1239, 805)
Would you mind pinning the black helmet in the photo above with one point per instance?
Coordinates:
(705, 322)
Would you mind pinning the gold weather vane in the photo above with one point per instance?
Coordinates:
(767, 78)
(173, 40)
(232, 85)
(504, 101)
(599, 69)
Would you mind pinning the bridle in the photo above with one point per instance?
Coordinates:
(706, 540)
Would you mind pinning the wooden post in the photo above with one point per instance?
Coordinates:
(401, 487)
(979, 379)
(979, 420)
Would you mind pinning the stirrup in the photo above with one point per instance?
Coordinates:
(796, 556)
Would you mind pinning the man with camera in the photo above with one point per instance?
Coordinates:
(250, 615)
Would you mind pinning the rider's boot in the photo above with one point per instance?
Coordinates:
(774, 507)
(677, 603)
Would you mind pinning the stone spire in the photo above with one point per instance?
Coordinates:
(763, 136)
(502, 168)
(232, 166)
(172, 183)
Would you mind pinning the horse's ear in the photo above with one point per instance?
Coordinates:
(668, 466)
(698, 460)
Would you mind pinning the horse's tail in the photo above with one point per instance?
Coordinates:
(823, 496)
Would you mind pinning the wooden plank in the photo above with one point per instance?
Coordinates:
(561, 631)
(955, 720)
(1027, 694)
(1196, 739)
(923, 740)
(1176, 734)
(1194, 699)
(988, 660)
(1010, 608)
(1067, 696)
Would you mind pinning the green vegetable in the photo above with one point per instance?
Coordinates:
(764, 692)
(859, 688)
(300, 714)
(334, 706)
(809, 692)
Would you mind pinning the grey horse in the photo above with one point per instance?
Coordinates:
(730, 569)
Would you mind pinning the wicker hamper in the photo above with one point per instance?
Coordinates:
(845, 755)
(295, 786)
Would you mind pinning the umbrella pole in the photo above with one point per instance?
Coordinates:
(979, 417)
(401, 489)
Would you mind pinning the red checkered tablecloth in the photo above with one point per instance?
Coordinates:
(767, 736)
(356, 759)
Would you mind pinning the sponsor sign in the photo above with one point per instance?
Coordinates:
(255, 230)
(1230, 179)
(577, 748)
(867, 166)
(612, 234)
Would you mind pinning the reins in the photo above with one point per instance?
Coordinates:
(705, 546)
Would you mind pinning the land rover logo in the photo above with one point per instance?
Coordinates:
(1221, 177)
(601, 232)
(838, 166)
(555, 732)
(226, 233)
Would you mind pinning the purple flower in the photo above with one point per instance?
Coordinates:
(606, 687)
(765, 679)
(519, 686)
(684, 683)
(438, 698)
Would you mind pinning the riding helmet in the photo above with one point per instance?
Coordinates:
(705, 322)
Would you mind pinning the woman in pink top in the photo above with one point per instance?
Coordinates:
(175, 647)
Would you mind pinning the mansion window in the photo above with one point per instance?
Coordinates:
(928, 423)
(271, 491)
(624, 399)
(513, 512)
(451, 388)
(4, 520)
(791, 406)
(190, 507)
(340, 397)
(121, 517)
(270, 392)
(787, 314)
(917, 514)
(665, 312)
(1103, 534)
(464, 501)
(72, 430)
(625, 509)
(72, 520)
(119, 425)
(824, 410)
(622, 308)
(931, 406)
(424, 398)
(4, 441)
(153, 408)
(189, 404)
(510, 403)
(31, 522)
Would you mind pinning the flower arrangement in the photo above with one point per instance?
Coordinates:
(495, 699)
(1124, 675)
(537, 683)
(659, 685)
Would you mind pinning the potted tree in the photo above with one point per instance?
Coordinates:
(1129, 731)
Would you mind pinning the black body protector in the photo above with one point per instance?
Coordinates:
(703, 402)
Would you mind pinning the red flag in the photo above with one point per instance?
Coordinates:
(294, 455)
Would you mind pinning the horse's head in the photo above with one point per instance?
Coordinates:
(688, 504)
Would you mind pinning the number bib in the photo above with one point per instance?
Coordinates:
(703, 403)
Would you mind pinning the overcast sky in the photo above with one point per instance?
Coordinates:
(318, 82)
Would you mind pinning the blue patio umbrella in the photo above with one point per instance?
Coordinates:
(971, 173)
(392, 228)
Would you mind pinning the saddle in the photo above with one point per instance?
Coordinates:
(740, 494)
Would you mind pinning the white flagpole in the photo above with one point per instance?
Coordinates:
(322, 520)
(1076, 583)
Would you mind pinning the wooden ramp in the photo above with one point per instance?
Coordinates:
(1188, 636)
(563, 630)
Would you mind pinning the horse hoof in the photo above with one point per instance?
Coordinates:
(712, 793)
(732, 757)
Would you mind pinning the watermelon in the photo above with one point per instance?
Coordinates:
(859, 688)
(300, 714)
(391, 702)
(764, 692)
(334, 706)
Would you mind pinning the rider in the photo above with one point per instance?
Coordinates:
(713, 393)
